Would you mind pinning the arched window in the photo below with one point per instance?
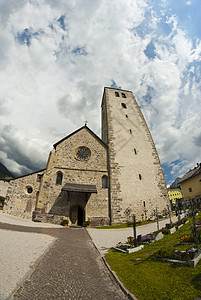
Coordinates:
(123, 105)
(104, 182)
(140, 176)
(116, 94)
(123, 95)
(59, 178)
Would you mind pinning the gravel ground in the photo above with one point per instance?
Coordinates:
(19, 252)
(6, 218)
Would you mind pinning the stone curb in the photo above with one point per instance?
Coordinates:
(113, 274)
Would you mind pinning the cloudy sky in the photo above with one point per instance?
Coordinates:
(57, 56)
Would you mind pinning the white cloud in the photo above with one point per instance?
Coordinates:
(52, 75)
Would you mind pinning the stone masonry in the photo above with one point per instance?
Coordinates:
(98, 180)
(137, 184)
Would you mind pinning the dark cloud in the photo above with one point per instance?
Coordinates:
(21, 150)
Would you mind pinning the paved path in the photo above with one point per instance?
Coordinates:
(71, 269)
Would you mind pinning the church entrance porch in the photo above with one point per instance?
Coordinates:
(70, 203)
(77, 215)
(77, 198)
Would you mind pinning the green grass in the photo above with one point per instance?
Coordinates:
(124, 225)
(149, 279)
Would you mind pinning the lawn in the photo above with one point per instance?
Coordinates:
(124, 225)
(149, 279)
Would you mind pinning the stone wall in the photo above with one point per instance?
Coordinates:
(89, 172)
(136, 177)
(22, 195)
(3, 187)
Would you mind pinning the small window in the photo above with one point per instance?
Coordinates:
(29, 189)
(104, 182)
(59, 178)
(127, 116)
(123, 105)
(144, 204)
(135, 151)
(116, 94)
(130, 131)
(39, 177)
(140, 176)
(123, 95)
(190, 189)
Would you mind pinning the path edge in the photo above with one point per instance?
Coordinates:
(113, 273)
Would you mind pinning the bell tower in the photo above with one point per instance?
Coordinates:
(136, 181)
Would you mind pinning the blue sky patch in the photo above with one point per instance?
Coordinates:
(61, 20)
(79, 51)
(114, 85)
(25, 37)
(150, 51)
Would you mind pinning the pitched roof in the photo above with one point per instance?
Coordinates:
(35, 172)
(191, 173)
(81, 128)
(84, 188)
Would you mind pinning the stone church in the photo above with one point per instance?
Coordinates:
(102, 180)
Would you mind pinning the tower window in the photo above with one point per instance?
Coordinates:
(140, 176)
(39, 177)
(59, 178)
(123, 95)
(190, 189)
(144, 203)
(123, 105)
(116, 94)
(126, 116)
(104, 182)
(135, 151)
(130, 131)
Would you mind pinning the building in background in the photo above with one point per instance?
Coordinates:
(191, 183)
(174, 194)
(104, 181)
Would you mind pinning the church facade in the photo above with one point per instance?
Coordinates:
(104, 181)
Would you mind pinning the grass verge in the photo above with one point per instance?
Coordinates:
(124, 225)
(148, 279)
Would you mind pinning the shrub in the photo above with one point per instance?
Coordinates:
(87, 223)
(2, 199)
(64, 222)
(165, 231)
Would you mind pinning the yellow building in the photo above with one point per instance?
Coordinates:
(191, 183)
(174, 194)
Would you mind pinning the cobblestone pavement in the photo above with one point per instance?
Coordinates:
(71, 269)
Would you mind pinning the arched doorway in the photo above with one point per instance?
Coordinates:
(77, 215)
